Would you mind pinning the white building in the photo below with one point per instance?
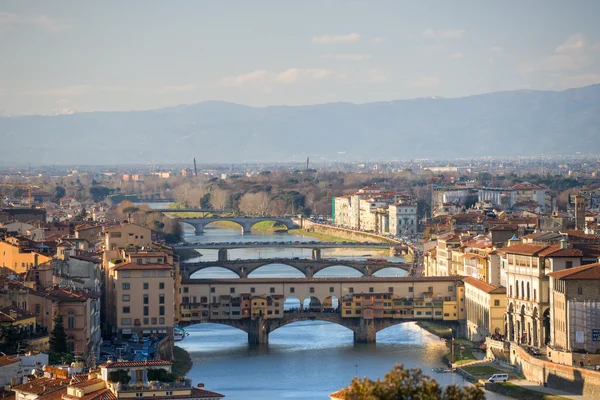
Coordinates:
(403, 219)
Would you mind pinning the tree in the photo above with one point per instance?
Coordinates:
(400, 384)
(58, 337)
(59, 193)
(11, 341)
(219, 198)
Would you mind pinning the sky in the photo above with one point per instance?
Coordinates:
(80, 56)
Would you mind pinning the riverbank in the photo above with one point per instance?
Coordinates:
(463, 351)
(182, 362)
(320, 236)
(521, 393)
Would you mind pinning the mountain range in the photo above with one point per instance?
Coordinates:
(512, 123)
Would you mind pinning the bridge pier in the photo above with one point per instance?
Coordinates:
(365, 332)
(222, 255)
(316, 254)
(309, 272)
(243, 272)
(246, 228)
(258, 333)
(367, 271)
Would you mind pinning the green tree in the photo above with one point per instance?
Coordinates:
(59, 193)
(11, 341)
(58, 337)
(402, 384)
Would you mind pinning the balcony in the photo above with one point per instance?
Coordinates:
(151, 386)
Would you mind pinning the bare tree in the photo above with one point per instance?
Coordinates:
(255, 204)
(219, 198)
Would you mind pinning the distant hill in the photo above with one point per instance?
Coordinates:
(494, 124)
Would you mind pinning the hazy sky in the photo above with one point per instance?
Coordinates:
(126, 55)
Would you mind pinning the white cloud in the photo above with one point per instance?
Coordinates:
(427, 81)
(330, 39)
(40, 21)
(572, 55)
(495, 50)
(378, 40)
(583, 80)
(442, 34)
(349, 56)
(456, 56)
(74, 90)
(376, 76)
(293, 75)
(243, 79)
(176, 89)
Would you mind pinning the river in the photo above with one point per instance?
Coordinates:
(304, 360)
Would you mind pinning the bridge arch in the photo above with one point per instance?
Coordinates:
(275, 220)
(334, 270)
(217, 220)
(385, 271)
(276, 264)
(217, 271)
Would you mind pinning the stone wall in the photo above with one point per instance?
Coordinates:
(579, 381)
(165, 349)
(346, 233)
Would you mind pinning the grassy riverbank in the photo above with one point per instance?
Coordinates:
(461, 357)
(320, 236)
(262, 226)
(182, 362)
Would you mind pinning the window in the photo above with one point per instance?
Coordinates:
(161, 299)
(161, 320)
(331, 289)
(146, 299)
(212, 289)
(125, 321)
(430, 289)
(70, 320)
(153, 320)
(161, 310)
(292, 290)
(126, 274)
(312, 290)
(391, 289)
(115, 235)
(272, 290)
(351, 290)
(252, 290)
(146, 274)
(139, 260)
(450, 289)
(125, 286)
(126, 310)
(371, 290)
(231, 290)
(146, 286)
(125, 297)
(185, 289)
(161, 285)
(348, 312)
(146, 310)
(411, 289)
(579, 290)
(534, 294)
(37, 309)
(569, 264)
(496, 303)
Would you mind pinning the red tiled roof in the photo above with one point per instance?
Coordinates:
(589, 271)
(524, 249)
(195, 394)
(7, 360)
(556, 251)
(129, 364)
(41, 385)
(102, 394)
(135, 266)
(483, 286)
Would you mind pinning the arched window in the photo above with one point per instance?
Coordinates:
(522, 288)
(517, 285)
(528, 292)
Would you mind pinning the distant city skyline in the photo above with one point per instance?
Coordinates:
(69, 56)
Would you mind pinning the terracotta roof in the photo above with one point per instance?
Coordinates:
(129, 364)
(54, 395)
(483, 286)
(524, 249)
(86, 383)
(580, 235)
(5, 314)
(135, 266)
(505, 227)
(195, 394)
(102, 394)
(589, 271)
(526, 186)
(556, 251)
(41, 386)
(7, 360)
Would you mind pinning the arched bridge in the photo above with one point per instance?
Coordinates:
(308, 267)
(245, 222)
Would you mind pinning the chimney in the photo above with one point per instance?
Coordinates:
(564, 243)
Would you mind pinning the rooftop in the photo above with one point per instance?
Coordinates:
(131, 364)
(484, 286)
(589, 271)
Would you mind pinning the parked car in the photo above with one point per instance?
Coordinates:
(498, 378)
(534, 351)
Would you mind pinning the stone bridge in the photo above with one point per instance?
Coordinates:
(307, 266)
(365, 330)
(245, 222)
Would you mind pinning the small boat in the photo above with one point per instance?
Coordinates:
(437, 369)
(179, 334)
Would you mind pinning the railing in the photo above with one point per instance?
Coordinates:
(132, 387)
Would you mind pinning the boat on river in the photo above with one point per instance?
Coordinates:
(179, 334)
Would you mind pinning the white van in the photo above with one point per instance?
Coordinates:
(498, 378)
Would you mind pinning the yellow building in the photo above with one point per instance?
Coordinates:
(258, 306)
(125, 235)
(485, 309)
(17, 255)
(144, 295)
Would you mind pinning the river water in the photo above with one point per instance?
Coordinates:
(304, 360)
